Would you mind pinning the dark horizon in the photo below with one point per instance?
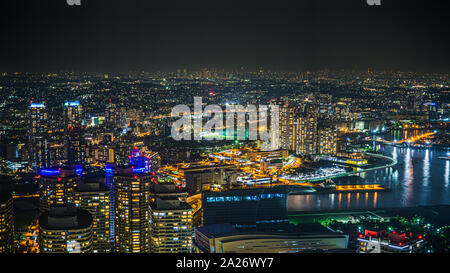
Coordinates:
(134, 35)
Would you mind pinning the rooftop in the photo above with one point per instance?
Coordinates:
(65, 218)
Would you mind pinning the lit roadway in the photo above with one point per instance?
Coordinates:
(408, 140)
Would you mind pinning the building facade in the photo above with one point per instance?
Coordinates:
(327, 140)
(57, 187)
(38, 139)
(65, 230)
(246, 209)
(74, 142)
(171, 229)
(131, 206)
(6, 223)
(93, 196)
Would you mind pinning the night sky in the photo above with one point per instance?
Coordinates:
(113, 35)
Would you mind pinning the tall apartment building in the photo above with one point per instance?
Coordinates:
(305, 135)
(93, 196)
(131, 204)
(74, 143)
(171, 229)
(6, 223)
(286, 126)
(37, 133)
(327, 140)
(65, 229)
(57, 187)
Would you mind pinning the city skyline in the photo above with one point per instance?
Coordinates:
(258, 129)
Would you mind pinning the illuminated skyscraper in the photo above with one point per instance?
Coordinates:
(38, 142)
(73, 133)
(131, 206)
(115, 117)
(73, 114)
(305, 135)
(65, 230)
(93, 196)
(327, 140)
(170, 220)
(6, 223)
(287, 117)
(57, 187)
(109, 182)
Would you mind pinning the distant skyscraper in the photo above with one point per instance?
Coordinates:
(37, 133)
(131, 205)
(305, 138)
(93, 196)
(327, 140)
(65, 230)
(6, 223)
(73, 114)
(57, 187)
(170, 220)
(73, 133)
(287, 115)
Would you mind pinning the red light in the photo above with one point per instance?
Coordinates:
(59, 178)
(399, 244)
(360, 235)
(420, 237)
(38, 177)
(135, 177)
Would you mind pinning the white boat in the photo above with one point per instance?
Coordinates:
(445, 157)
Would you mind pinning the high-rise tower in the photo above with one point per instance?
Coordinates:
(131, 205)
(73, 133)
(37, 133)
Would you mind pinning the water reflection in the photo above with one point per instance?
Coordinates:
(447, 173)
(420, 178)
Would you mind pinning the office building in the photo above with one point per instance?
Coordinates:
(247, 209)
